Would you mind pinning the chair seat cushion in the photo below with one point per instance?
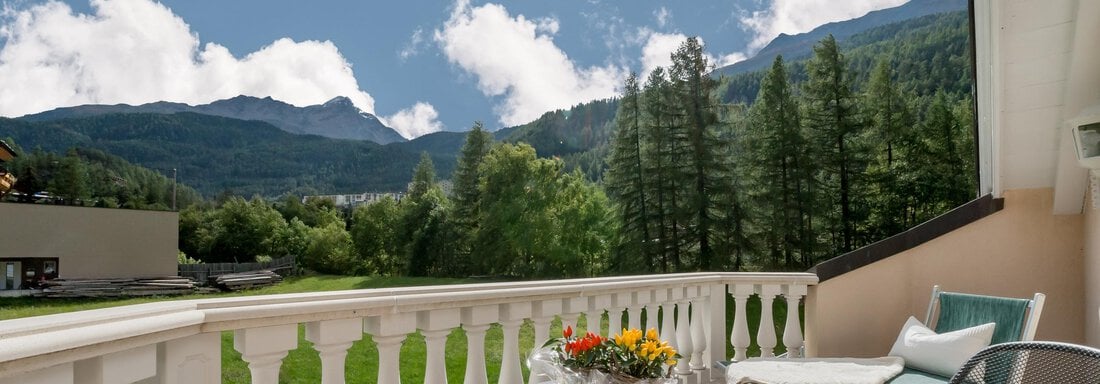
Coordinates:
(913, 376)
(814, 370)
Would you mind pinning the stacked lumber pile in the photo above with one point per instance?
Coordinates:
(246, 280)
(156, 286)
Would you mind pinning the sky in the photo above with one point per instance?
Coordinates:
(419, 65)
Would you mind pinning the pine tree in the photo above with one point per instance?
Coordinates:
(780, 169)
(832, 118)
(465, 194)
(626, 181)
(889, 119)
(422, 221)
(695, 91)
(733, 232)
(664, 149)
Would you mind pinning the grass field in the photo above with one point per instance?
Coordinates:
(304, 366)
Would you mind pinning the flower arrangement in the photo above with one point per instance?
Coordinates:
(629, 357)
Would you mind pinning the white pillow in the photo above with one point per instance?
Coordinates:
(941, 354)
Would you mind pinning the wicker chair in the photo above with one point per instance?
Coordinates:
(1031, 362)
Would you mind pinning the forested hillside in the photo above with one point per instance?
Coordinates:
(813, 169)
(85, 176)
(928, 54)
(217, 155)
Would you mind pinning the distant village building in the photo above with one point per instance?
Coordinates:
(354, 200)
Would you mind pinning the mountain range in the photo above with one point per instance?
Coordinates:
(332, 147)
(337, 118)
(794, 47)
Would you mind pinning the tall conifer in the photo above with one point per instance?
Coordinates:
(695, 92)
(832, 118)
(780, 170)
(625, 181)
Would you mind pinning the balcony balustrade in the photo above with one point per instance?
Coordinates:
(180, 341)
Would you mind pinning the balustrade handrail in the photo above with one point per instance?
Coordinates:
(33, 343)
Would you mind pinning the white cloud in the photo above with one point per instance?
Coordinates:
(416, 41)
(729, 59)
(663, 16)
(418, 120)
(799, 16)
(138, 51)
(658, 49)
(516, 58)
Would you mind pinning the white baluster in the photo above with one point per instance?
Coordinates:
(476, 320)
(435, 368)
(264, 349)
(572, 308)
(511, 318)
(193, 359)
(592, 320)
(331, 339)
(389, 354)
(389, 331)
(765, 336)
(683, 338)
(698, 335)
(714, 324)
(792, 332)
(122, 367)
(570, 320)
(667, 324)
(542, 314)
(594, 314)
(623, 301)
(435, 325)
(58, 374)
(615, 321)
(739, 335)
(640, 302)
(651, 316)
(634, 317)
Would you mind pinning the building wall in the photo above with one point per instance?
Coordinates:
(1016, 252)
(92, 242)
(1092, 273)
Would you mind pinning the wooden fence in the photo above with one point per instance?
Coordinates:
(202, 272)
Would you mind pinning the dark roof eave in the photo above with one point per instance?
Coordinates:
(957, 218)
(7, 148)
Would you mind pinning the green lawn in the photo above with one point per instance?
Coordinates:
(304, 366)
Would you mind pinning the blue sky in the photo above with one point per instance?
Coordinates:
(420, 65)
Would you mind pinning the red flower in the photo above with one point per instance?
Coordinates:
(568, 332)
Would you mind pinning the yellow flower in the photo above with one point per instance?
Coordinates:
(628, 338)
(651, 334)
(650, 350)
(671, 362)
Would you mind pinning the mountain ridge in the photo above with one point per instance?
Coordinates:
(797, 46)
(337, 118)
(217, 154)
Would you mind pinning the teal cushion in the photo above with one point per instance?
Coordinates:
(913, 376)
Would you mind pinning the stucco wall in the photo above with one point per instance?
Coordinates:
(92, 242)
(1016, 252)
(1092, 273)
